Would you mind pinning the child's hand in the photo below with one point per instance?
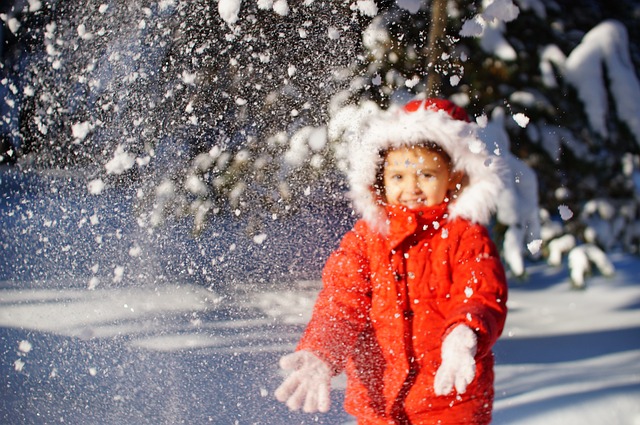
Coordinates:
(458, 364)
(308, 386)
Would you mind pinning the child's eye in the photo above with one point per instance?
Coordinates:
(425, 174)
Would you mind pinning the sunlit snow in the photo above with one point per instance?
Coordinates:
(121, 161)
(606, 46)
(229, 10)
(534, 246)
(488, 26)
(521, 119)
(367, 7)
(81, 129)
(34, 5)
(565, 212)
(95, 186)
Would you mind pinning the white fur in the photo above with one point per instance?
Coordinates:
(397, 128)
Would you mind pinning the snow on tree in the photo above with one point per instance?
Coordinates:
(518, 207)
(581, 259)
(605, 48)
(240, 107)
(558, 247)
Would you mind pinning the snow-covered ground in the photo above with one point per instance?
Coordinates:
(567, 356)
(78, 350)
(571, 357)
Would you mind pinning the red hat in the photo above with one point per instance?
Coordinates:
(436, 104)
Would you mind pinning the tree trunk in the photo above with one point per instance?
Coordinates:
(437, 31)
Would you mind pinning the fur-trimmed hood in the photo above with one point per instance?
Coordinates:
(433, 120)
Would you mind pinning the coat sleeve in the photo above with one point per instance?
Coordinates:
(479, 287)
(341, 311)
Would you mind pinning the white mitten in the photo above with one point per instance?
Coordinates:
(308, 385)
(458, 366)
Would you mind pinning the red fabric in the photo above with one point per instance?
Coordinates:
(387, 303)
(449, 107)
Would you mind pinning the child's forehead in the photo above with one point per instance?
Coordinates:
(415, 151)
(431, 147)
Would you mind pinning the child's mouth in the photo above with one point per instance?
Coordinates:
(413, 202)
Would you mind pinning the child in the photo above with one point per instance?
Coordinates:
(415, 296)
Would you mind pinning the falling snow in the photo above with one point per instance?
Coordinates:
(98, 295)
(565, 212)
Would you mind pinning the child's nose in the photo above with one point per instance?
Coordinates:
(413, 184)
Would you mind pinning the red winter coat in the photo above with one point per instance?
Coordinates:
(386, 305)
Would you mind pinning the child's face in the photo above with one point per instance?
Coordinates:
(417, 176)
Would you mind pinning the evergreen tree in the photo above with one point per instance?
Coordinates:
(210, 112)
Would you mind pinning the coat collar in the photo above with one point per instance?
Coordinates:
(404, 222)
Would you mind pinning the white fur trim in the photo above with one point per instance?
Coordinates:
(397, 128)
